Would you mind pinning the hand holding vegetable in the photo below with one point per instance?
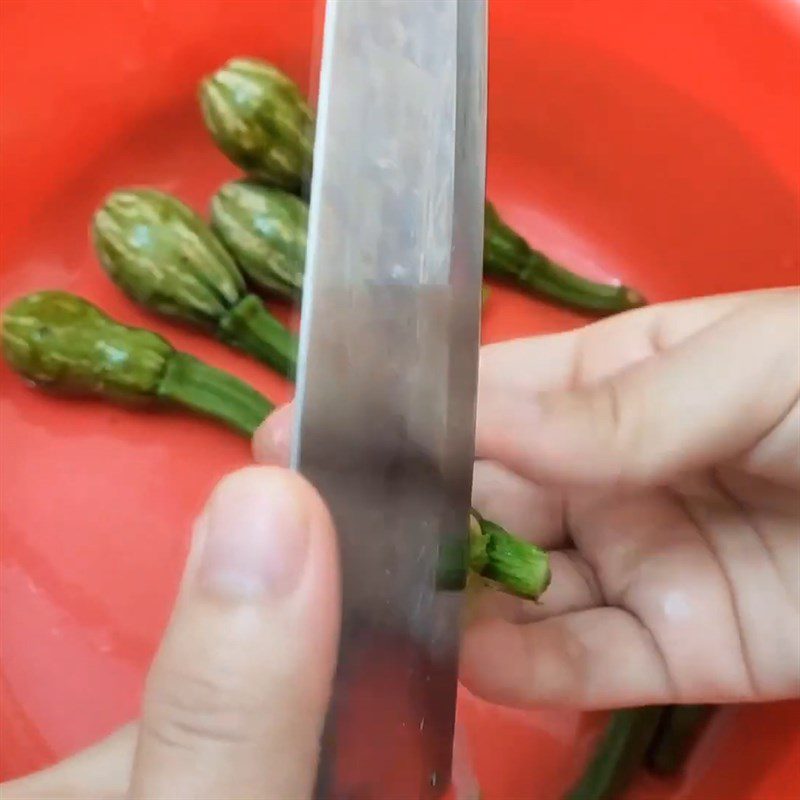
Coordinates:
(163, 256)
(664, 481)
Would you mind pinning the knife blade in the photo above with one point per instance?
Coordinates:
(387, 373)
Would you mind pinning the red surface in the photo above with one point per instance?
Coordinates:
(658, 142)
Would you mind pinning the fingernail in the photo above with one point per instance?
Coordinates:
(256, 539)
(272, 440)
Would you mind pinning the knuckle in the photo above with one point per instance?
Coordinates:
(626, 429)
(187, 711)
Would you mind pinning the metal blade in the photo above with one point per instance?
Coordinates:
(388, 370)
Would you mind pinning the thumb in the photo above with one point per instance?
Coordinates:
(237, 695)
(711, 398)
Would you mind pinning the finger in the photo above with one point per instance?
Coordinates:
(499, 363)
(679, 410)
(617, 342)
(515, 373)
(499, 494)
(101, 772)
(652, 559)
(530, 511)
(776, 457)
(573, 587)
(519, 370)
(599, 658)
(272, 441)
(764, 613)
(236, 697)
(527, 367)
(523, 366)
(567, 360)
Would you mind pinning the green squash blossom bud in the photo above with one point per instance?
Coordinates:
(265, 229)
(260, 120)
(165, 257)
(66, 345)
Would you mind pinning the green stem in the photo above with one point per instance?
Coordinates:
(250, 327)
(619, 754)
(190, 383)
(516, 566)
(546, 277)
(508, 257)
(521, 568)
(678, 730)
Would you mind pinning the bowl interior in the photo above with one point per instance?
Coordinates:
(655, 143)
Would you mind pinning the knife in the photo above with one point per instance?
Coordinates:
(387, 373)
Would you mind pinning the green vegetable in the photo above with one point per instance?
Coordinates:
(619, 754)
(167, 259)
(258, 117)
(678, 730)
(657, 737)
(520, 567)
(260, 120)
(265, 229)
(512, 565)
(507, 256)
(65, 344)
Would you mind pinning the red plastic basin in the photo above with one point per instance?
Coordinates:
(655, 141)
